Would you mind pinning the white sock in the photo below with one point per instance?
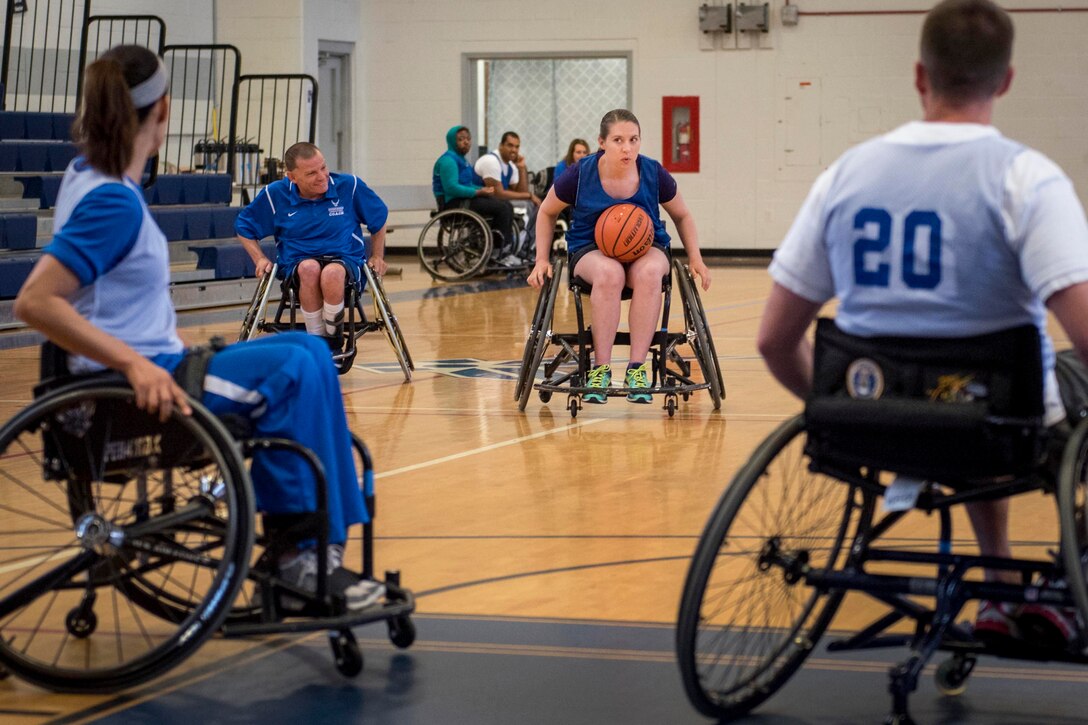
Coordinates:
(314, 324)
(331, 311)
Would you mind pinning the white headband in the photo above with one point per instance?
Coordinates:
(147, 92)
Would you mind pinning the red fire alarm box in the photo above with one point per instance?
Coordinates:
(680, 129)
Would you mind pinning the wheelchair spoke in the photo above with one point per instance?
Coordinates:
(166, 533)
(745, 626)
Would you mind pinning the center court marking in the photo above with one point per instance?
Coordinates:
(485, 449)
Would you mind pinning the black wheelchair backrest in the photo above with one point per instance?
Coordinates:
(945, 409)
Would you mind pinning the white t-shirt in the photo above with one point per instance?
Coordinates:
(491, 166)
(939, 230)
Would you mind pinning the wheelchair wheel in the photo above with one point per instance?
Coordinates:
(524, 376)
(699, 332)
(1073, 514)
(530, 362)
(747, 622)
(255, 313)
(710, 339)
(384, 314)
(455, 244)
(140, 534)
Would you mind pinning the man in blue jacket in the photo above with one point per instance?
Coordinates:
(314, 216)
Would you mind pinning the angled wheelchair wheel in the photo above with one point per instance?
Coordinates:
(256, 312)
(390, 326)
(537, 343)
(530, 341)
(710, 338)
(699, 333)
(1073, 514)
(746, 623)
(139, 537)
(455, 244)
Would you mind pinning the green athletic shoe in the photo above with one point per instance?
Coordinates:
(638, 378)
(599, 377)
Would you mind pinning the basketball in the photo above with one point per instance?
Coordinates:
(624, 232)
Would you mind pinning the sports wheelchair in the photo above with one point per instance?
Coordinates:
(922, 424)
(457, 243)
(356, 323)
(127, 542)
(566, 371)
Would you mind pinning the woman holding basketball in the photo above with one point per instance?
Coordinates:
(616, 174)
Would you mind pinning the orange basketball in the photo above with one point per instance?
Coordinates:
(624, 232)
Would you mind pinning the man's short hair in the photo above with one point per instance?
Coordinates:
(302, 151)
(507, 135)
(966, 48)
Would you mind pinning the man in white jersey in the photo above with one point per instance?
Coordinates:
(504, 171)
(941, 228)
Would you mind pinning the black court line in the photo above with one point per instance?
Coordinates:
(540, 572)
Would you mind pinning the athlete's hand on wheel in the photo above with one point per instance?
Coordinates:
(700, 270)
(378, 265)
(541, 272)
(155, 388)
(263, 266)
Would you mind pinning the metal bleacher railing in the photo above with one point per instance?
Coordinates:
(227, 132)
(203, 84)
(271, 113)
(41, 55)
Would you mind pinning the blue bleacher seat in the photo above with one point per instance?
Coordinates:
(219, 188)
(166, 190)
(42, 188)
(32, 155)
(194, 190)
(13, 272)
(35, 125)
(223, 222)
(172, 222)
(12, 126)
(9, 157)
(198, 223)
(230, 259)
(62, 126)
(18, 231)
(60, 155)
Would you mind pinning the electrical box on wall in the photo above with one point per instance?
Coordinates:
(716, 18)
(753, 18)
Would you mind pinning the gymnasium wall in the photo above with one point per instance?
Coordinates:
(772, 116)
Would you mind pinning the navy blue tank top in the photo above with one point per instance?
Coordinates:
(591, 201)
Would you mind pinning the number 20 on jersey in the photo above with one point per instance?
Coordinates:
(873, 266)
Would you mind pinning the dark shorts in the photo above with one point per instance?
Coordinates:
(572, 259)
(353, 270)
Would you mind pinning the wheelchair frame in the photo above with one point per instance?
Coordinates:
(799, 530)
(458, 243)
(672, 382)
(356, 323)
(148, 501)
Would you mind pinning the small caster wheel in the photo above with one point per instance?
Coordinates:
(81, 622)
(685, 396)
(545, 396)
(951, 675)
(346, 653)
(402, 632)
(573, 405)
(670, 405)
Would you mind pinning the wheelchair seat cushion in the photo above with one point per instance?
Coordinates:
(947, 409)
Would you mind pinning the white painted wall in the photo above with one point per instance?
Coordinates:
(772, 117)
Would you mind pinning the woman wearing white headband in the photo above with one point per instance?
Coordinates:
(101, 292)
